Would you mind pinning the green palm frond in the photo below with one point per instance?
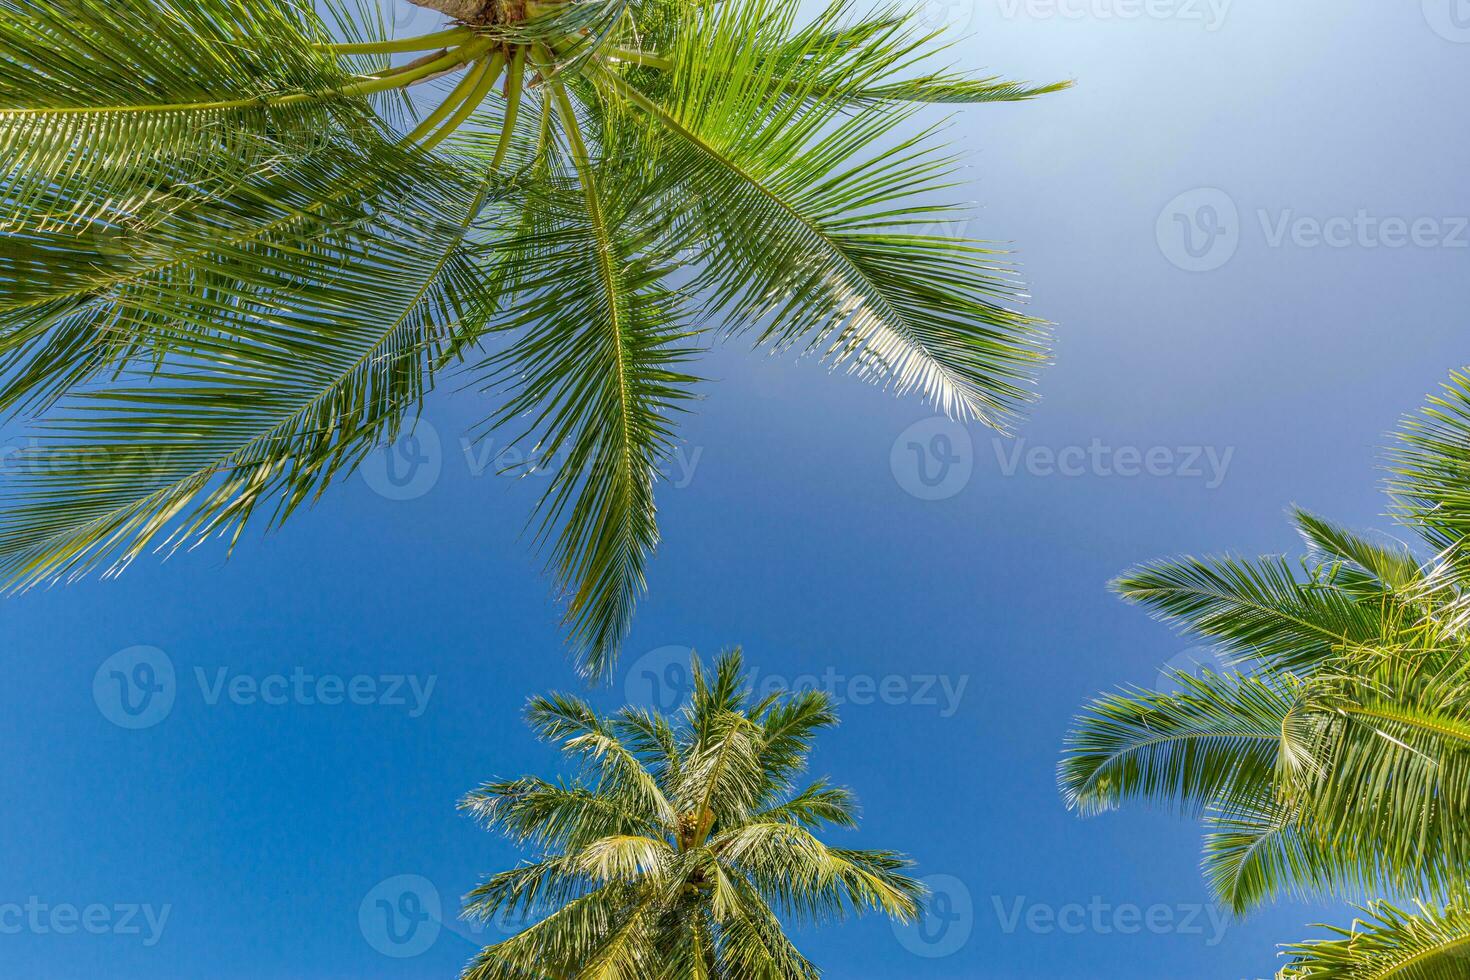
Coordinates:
(1260, 610)
(1219, 737)
(1348, 775)
(622, 887)
(1375, 566)
(234, 244)
(597, 370)
(1429, 469)
(252, 358)
(1258, 850)
(810, 237)
(207, 93)
(1423, 943)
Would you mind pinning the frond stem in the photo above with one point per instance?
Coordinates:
(424, 42)
(448, 60)
(512, 105)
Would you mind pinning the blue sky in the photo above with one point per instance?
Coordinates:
(954, 595)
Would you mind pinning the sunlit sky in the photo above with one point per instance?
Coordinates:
(1211, 218)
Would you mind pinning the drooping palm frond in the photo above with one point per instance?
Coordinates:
(208, 204)
(1261, 610)
(1360, 785)
(623, 885)
(1423, 943)
(257, 355)
(1257, 850)
(596, 375)
(1374, 567)
(123, 111)
(1429, 469)
(809, 233)
(1220, 737)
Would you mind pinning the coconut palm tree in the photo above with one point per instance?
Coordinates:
(680, 845)
(237, 256)
(1334, 759)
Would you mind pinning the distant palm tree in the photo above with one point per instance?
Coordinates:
(234, 261)
(1336, 759)
(681, 844)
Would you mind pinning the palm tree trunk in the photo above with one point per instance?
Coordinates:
(470, 11)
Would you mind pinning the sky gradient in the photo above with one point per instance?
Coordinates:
(1248, 223)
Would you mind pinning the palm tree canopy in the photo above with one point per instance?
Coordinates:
(237, 257)
(1335, 758)
(681, 844)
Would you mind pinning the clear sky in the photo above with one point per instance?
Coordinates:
(1259, 363)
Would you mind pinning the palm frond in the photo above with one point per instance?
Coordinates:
(250, 357)
(212, 92)
(595, 375)
(1422, 943)
(1260, 610)
(1429, 469)
(1219, 737)
(808, 237)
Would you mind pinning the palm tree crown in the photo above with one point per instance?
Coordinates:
(236, 258)
(674, 851)
(1335, 760)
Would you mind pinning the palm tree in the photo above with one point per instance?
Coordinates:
(236, 259)
(1334, 760)
(674, 850)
